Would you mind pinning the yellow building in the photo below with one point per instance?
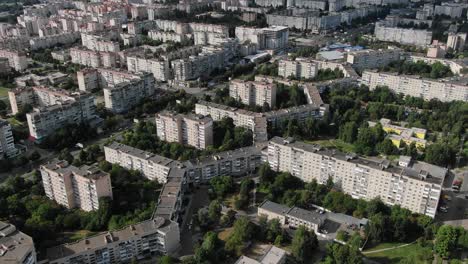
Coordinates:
(399, 134)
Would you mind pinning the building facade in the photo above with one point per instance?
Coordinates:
(75, 187)
(253, 92)
(7, 142)
(416, 186)
(192, 130)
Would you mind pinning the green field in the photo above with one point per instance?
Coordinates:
(334, 143)
(4, 92)
(391, 256)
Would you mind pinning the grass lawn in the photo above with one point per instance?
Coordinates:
(225, 233)
(334, 143)
(4, 92)
(395, 255)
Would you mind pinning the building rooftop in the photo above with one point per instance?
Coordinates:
(102, 239)
(306, 215)
(63, 167)
(142, 154)
(275, 207)
(14, 245)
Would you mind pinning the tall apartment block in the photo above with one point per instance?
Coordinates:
(192, 130)
(53, 108)
(444, 90)
(142, 240)
(253, 93)
(416, 186)
(369, 59)
(386, 30)
(15, 246)
(152, 166)
(299, 68)
(16, 60)
(75, 187)
(456, 41)
(7, 143)
(270, 38)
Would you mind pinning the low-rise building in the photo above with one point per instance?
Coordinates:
(443, 90)
(400, 134)
(192, 130)
(274, 255)
(137, 241)
(15, 246)
(253, 92)
(416, 186)
(75, 187)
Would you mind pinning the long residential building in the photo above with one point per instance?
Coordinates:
(146, 239)
(371, 59)
(75, 187)
(15, 246)
(253, 92)
(416, 186)
(238, 162)
(444, 90)
(192, 130)
(7, 142)
(151, 166)
(385, 31)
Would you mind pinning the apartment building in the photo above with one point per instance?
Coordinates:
(37, 96)
(138, 241)
(32, 79)
(7, 142)
(202, 64)
(238, 162)
(94, 59)
(415, 185)
(456, 41)
(100, 41)
(400, 134)
(371, 59)
(270, 38)
(53, 40)
(158, 67)
(253, 92)
(123, 96)
(17, 60)
(456, 66)
(443, 90)
(298, 68)
(75, 187)
(151, 166)
(46, 118)
(170, 198)
(166, 36)
(385, 31)
(15, 246)
(192, 130)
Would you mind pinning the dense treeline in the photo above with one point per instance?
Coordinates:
(434, 71)
(68, 135)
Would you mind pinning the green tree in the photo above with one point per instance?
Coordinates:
(445, 241)
(242, 232)
(214, 211)
(303, 244)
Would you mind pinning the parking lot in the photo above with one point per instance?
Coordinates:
(455, 203)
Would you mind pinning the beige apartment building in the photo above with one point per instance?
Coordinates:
(75, 187)
(414, 185)
(16, 60)
(253, 92)
(371, 59)
(15, 246)
(300, 68)
(138, 241)
(192, 130)
(444, 90)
